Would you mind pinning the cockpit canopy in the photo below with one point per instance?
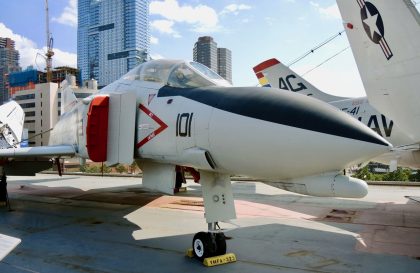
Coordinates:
(176, 73)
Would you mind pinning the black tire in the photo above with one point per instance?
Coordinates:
(220, 243)
(203, 246)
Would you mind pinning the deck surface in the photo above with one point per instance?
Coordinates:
(110, 224)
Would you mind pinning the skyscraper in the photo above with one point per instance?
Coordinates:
(217, 59)
(205, 52)
(224, 63)
(9, 62)
(112, 38)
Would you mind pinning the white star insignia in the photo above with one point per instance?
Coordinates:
(371, 22)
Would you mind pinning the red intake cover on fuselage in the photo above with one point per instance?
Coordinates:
(97, 129)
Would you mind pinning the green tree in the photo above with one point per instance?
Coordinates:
(105, 169)
(93, 169)
(377, 177)
(399, 174)
(363, 174)
(133, 167)
(83, 168)
(121, 168)
(415, 176)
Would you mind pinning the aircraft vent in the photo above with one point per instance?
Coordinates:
(97, 129)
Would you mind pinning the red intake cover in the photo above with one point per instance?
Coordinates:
(97, 129)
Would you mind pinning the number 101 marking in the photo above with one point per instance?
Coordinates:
(183, 124)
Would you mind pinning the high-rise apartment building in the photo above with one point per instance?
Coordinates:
(205, 52)
(9, 62)
(217, 59)
(224, 63)
(112, 38)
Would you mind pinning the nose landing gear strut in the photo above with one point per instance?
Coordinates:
(209, 244)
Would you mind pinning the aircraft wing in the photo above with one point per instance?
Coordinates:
(42, 151)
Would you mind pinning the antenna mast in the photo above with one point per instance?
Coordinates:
(50, 52)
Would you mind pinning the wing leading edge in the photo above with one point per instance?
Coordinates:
(47, 151)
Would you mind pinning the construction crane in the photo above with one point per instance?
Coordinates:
(50, 51)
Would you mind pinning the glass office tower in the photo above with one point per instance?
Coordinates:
(112, 38)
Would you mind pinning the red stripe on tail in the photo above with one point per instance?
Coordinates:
(265, 65)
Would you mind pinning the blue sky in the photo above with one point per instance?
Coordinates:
(253, 30)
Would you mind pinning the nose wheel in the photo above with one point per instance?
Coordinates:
(208, 244)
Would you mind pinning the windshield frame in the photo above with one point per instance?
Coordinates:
(192, 74)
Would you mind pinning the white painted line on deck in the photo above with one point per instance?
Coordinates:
(7, 244)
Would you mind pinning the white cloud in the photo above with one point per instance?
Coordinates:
(28, 51)
(63, 58)
(165, 26)
(202, 17)
(69, 15)
(235, 8)
(330, 12)
(154, 40)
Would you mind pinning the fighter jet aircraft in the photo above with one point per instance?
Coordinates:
(165, 113)
(272, 73)
(385, 39)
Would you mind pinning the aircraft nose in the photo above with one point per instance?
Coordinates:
(302, 112)
(323, 124)
(311, 114)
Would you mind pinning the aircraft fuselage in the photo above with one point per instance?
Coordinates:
(236, 130)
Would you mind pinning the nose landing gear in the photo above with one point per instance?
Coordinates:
(209, 244)
(210, 247)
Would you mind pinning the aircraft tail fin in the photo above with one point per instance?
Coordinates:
(385, 40)
(272, 73)
(68, 98)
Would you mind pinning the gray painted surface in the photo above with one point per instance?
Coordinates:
(117, 229)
